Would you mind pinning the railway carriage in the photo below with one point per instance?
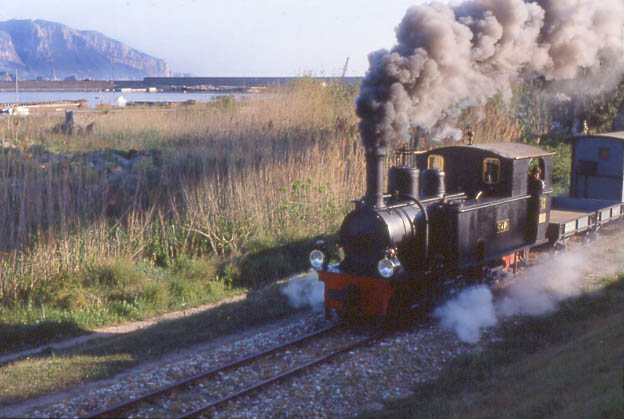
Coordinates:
(598, 167)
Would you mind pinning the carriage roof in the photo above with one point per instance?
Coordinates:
(618, 136)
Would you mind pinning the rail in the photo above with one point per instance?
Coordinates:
(278, 377)
(113, 410)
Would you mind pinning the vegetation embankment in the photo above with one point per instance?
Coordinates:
(568, 364)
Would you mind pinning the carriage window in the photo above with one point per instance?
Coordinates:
(435, 162)
(491, 171)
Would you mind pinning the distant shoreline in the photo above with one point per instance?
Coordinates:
(165, 84)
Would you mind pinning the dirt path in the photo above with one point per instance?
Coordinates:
(115, 330)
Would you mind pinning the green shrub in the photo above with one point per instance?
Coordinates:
(64, 290)
(123, 310)
(71, 299)
(196, 269)
(119, 275)
(183, 291)
(155, 295)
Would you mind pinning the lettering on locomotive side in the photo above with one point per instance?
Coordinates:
(502, 226)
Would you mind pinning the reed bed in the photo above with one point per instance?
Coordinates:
(214, 179)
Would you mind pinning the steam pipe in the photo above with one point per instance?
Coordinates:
(375, 177)
(424, 211)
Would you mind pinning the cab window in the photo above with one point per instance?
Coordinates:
(491, 171)
(435, 162)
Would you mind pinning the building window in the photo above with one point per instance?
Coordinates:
(603, 153)
(435, 162)
(491, 171)
(587, 168)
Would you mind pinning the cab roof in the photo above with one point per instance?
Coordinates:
(514, 151)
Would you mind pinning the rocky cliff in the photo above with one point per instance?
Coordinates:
(55, 51)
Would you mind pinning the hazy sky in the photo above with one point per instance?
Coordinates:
(235, 37)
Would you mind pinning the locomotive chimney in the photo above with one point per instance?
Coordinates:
(375, 157)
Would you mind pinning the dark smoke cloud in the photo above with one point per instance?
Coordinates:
(450, 55)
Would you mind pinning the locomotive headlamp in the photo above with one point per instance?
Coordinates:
(317, 259)
(386, 267)
(389, 264)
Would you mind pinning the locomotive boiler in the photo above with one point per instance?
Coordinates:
(448, 216)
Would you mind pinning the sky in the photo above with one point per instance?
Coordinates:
(235, 37)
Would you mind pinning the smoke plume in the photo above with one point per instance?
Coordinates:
(538, 291)
(305, 291)
(458, 55)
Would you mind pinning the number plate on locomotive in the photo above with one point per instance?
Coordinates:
(502, 226)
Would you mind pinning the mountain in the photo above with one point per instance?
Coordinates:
(38, 48)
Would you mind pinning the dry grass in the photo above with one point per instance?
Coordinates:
(228, 173)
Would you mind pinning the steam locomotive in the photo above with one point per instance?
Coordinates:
(451, 216)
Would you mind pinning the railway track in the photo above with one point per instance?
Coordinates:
(209, 389)
(202, 402)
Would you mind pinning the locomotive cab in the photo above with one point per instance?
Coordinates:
(506, 209)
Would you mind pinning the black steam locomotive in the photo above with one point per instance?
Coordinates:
(450, 215)
(454, 216)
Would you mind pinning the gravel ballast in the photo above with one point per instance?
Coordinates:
(360, 379)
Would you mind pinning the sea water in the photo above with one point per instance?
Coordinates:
(110, 98)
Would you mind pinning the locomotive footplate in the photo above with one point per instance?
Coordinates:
(366, 296)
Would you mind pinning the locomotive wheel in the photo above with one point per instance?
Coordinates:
(351, 308)
(479, 275)
(400, 312)
(590, 236)
(557, 248)
(492, 275)
(397, 311)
